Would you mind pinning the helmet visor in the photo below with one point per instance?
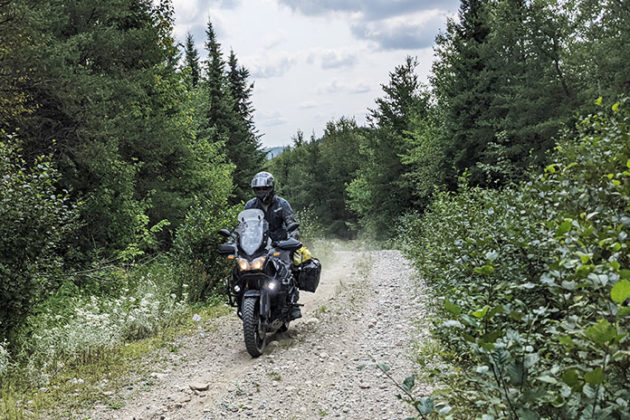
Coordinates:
(263, 193)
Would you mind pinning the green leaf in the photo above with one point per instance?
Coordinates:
(425, 406)
(566, 341)
(601, 333)
(525, 414)
(481, 312)
(615, 107)
(620, 291)
(492, 255)
(491, 337)
(452, 308)
(531, 359)
(484, 270)
(594, 377)
(598, 101)
(589, 391)
(547, 379)
(571, 377)
(496, 310)
(408, 383)
(515, 372)
(625, 274)
(564, 227)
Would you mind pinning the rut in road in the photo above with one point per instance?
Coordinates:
(363, 313)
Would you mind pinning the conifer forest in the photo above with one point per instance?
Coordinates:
(504, 178)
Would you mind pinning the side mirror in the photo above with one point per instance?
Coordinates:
(227, 249)
(293, 226)
(224, 232)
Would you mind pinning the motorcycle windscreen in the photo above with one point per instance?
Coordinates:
(251, 229)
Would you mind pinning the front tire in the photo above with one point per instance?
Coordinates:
(253, 328)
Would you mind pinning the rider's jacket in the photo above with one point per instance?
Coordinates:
(278, 214)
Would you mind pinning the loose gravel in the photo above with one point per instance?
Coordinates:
(364, 313)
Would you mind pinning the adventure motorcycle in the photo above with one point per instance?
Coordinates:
(262, 287)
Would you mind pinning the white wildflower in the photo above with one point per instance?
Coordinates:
(4, 358)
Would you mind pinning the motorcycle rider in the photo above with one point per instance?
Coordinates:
(279, 216)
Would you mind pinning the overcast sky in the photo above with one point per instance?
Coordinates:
(314, 61)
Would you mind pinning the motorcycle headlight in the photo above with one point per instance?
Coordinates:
(258, 263)
(255, 265)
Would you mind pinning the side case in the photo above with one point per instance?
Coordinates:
(308, 275)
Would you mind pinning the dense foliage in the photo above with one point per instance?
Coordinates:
(533, 282)
(37, 222)
(508, 76)
(118, 143)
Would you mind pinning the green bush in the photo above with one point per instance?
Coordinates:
(36, 221)
(533, 282)
(196, 249)
(112, 306)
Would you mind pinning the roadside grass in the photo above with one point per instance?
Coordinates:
(102, 377)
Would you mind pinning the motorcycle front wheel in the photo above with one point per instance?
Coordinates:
(253, 328)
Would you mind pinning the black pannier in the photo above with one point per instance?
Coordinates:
(308, 275)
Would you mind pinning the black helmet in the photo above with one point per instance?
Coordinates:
(262, 184)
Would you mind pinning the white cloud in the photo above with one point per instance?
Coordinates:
(337, 59)
(271, 119)
(187, 11)
(266, 67)
(273, 39)
(337, 87)
(368, 9)
(309, 105)
(402, 32)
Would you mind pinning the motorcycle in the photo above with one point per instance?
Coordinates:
(262, 286)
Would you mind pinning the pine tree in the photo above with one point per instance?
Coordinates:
(107, 103)
(241, 89)
(381, 193)
(502, 88)
(192, 60)
(463, 86)
(600, 48)
(226, 116)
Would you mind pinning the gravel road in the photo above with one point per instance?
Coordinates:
(363, 313)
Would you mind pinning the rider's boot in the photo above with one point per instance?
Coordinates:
(296, 312)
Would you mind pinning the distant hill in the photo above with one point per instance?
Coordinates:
(272, 152)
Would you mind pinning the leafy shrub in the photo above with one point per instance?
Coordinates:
(533, 281)
(196, 248)
(36, 220)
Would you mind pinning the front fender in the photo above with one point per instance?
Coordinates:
(265, 301)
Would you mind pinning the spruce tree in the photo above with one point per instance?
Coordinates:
(381, 194)
(106, 102)
(241, 89)
(191, 58)
(228, 116)
(464, 86)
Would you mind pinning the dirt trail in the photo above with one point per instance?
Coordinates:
(324, 366)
